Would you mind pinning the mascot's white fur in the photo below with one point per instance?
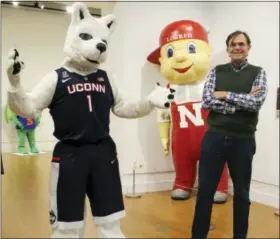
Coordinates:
(85, 48)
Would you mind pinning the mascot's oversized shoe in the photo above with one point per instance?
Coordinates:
(220, 197)
(22, 150)
(180, 194)
(34, 150)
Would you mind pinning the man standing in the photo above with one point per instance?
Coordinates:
(234, 93)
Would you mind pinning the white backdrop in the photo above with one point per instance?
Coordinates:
(138, 37)
(40, 39)
(135, 38)
(261, 21)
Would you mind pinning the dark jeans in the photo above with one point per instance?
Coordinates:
(238, 152)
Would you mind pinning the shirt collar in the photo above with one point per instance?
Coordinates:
(240, 66)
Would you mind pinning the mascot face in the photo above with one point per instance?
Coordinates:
(184, 61)
(87, 37)
(183, 53)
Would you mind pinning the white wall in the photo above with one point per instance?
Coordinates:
(261, 21)
(138, 29)
(39, 38)
(137, 34)
(42, 52)
(141, 32)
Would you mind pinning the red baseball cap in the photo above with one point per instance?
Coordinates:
(178, 30)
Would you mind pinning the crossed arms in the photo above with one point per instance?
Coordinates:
(229, 102)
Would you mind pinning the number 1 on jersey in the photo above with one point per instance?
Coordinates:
(89, 103)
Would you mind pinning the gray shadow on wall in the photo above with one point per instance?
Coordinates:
(155, 161)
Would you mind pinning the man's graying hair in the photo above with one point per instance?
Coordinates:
(235, 34)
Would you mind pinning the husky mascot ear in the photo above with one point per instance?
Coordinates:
(109, 21)
(79, 12)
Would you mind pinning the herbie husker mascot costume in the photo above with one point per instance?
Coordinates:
(184, 59)
(80, 96)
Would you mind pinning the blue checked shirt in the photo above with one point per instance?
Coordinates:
(234, 101)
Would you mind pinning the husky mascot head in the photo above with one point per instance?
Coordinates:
(87, 38)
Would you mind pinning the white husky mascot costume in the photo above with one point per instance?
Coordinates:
(80, 96)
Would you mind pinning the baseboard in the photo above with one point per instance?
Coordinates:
(144, 187)
(260, 192)
(263, 193)
(44, 146)
(150, 182)
(163, 181)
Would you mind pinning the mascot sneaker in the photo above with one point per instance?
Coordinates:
(220, 197)
(180, 194)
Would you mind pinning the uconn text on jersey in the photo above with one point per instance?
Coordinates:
(87, 87)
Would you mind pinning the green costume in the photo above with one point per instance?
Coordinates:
(25, 128)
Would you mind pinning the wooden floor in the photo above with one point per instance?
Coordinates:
(155, 215)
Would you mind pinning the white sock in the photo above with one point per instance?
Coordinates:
(66, 233)
(110, 230)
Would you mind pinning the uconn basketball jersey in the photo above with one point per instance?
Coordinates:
(81, 107)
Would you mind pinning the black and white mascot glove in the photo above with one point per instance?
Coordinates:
(14, 67)
(162, 97)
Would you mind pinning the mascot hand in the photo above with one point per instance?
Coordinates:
(165, 144)
(161, 97)
(166, 152)
(14, 67)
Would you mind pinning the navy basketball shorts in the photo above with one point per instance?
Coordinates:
(77, 171)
